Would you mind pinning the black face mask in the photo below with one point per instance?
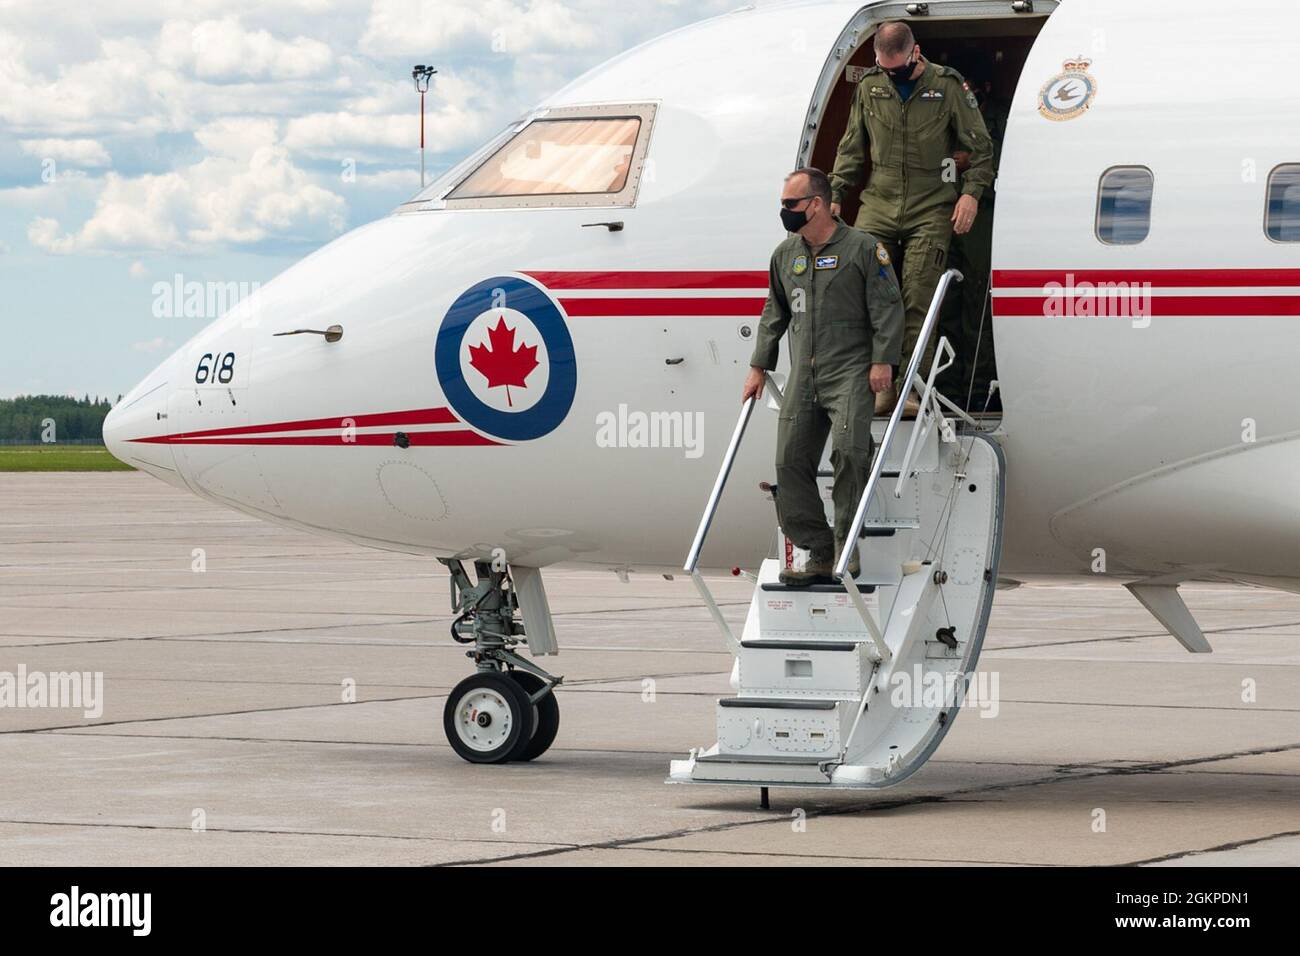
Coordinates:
(794, 221)
(901, 73)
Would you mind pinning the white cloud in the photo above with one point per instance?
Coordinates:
(454, 120)
(218, 201)
(392, 180)
(138, 270)
(237, 137)
(413, 27)
(80, 152)
(321, 132)
(222, 50)
(69, 185)
(124, 90)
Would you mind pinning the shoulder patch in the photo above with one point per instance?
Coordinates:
(882, 254)
(972, 102)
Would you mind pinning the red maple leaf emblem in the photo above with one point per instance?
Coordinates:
(500, 362)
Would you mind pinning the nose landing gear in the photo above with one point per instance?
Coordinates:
(508, 710)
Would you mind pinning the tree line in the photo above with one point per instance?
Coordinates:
(29, 417)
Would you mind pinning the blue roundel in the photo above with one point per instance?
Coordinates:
(542, 416)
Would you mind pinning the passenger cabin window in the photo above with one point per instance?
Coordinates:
(571, 157)
(1124, 205)
(1282, 215)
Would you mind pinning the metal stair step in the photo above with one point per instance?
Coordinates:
(827, 473)
(793, 770)
(801, 645)
(793, 760)
(826, 588)
(777, 703)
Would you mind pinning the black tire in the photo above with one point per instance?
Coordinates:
(487, 717)
(546, 713)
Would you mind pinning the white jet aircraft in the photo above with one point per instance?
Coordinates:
(477, 376)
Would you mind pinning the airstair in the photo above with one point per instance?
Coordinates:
(854, 682)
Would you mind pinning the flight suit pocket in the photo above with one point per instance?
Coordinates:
(857, 423)
(883, 293)
(929, 142)
(881, 132)
(852, 330)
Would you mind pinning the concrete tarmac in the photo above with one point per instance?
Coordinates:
(228, 649)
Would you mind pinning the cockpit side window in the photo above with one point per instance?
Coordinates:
(1124, 205)
(575, 156)
(1282, 213)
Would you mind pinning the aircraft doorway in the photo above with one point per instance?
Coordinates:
(990, 54)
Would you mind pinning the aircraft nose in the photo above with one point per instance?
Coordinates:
(134, 425)
(113, 434)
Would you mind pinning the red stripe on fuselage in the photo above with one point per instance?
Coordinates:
(1054, 306)
(418, 416)
(728, 306)
(1165, 278)
(736, 279)
(449, 437)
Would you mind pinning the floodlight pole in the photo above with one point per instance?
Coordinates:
(421, 74)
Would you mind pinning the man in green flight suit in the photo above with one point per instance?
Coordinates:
(912, 115)
(967, 315)
(833, 287)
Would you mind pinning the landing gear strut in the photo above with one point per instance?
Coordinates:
(508, 710)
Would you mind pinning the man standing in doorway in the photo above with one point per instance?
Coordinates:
(910, 116)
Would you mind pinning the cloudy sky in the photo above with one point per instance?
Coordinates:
(221, 140)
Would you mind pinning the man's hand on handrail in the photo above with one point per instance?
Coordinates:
(753, 384)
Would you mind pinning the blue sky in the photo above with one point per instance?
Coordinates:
(222, 141)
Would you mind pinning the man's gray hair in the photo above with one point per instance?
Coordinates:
(894, 38)
(819, 184)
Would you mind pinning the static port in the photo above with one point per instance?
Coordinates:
(783, 733)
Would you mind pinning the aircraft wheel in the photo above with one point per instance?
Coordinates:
(546, 713)
(487, 718)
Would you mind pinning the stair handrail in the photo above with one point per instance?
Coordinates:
(881, 649)
(711, 506)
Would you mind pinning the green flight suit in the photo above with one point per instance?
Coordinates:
(970, 306)
(844, 312)
(909, 197)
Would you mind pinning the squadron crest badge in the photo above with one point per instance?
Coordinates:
(1070, 93)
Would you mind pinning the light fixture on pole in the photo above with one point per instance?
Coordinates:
(422, 74)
